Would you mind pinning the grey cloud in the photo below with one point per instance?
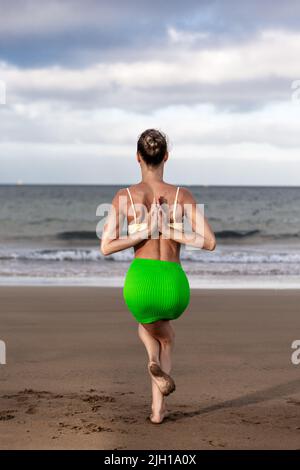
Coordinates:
(231, 96)
(84, 31)
(55, 31)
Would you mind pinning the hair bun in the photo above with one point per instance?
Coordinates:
(151, 140)
(152, 146)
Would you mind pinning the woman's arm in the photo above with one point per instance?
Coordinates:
(202, 235)
(110, 240)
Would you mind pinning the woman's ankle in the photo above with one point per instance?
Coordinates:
(154, 361)
(158, 409)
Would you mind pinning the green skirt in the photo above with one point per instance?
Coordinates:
(156, 290)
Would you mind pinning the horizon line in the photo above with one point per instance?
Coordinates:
(180, 184)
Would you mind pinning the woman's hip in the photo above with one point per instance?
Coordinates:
(146, 272)
(156, 288)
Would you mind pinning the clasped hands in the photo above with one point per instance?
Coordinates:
(157, 218)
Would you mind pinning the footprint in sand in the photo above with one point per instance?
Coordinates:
(31, 410)
(98, 398)
(216, 444)
(6, 415)
(85, 428)
(293, 402)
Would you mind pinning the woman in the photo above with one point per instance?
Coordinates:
(156, 289)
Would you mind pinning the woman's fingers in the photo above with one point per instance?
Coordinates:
(153, 215)
(161, 219)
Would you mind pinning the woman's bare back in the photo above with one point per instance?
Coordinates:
(143, 193)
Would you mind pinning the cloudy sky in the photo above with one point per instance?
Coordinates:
(83, 78)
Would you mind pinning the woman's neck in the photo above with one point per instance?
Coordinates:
(152, 175)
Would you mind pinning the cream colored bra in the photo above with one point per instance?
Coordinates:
(137, 227)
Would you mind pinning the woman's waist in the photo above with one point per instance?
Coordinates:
(156, 261)
(155, 251)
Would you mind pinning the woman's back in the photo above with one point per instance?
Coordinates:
(141, 195)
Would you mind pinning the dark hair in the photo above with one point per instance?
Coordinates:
(152, 146)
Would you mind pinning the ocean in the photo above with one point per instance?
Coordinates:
(48, 236)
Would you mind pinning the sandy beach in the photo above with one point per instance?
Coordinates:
(76, 376)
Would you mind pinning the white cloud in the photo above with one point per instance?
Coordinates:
(178, 37)
(271, 54)
(60, 115)
(116, 164)
(275, 125)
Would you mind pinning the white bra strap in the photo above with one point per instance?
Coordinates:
(132, 205)
(175, 203)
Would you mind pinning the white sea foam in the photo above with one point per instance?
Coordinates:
(222, 255)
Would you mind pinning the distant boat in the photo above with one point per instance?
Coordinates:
(19, 182)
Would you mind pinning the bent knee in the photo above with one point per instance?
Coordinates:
(168, 340)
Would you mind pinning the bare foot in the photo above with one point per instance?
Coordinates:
(157, 418)
(164, 381)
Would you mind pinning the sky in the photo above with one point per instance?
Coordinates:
(81, 79)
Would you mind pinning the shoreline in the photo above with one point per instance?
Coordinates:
(230, 283)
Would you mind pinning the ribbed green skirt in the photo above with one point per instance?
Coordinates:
(156, 290)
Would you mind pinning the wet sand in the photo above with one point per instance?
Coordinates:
(76, 373)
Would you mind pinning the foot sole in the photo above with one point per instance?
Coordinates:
(164, 381)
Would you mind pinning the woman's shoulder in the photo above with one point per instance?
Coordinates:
(127, 191)
(135, 187)
(120, 197)
(185, 194)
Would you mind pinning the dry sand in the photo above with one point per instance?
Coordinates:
(76, 373)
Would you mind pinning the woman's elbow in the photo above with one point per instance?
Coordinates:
(104, 249)
(211, 246)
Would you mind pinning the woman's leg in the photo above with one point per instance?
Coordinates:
(163, 332)
(153, 350)
(158, 338)
(151, 344)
